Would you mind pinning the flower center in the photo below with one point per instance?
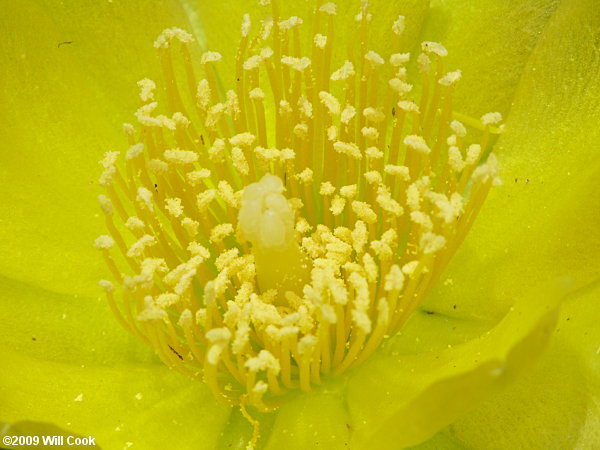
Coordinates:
(278, 233)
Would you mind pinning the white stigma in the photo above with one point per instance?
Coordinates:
(266, 217)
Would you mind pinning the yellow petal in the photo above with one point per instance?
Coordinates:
(68, 83)
(309, 421)
(554, 405)
(549, 151)
(544, 222)
(490, 42)
(69, 365)
(397, 400)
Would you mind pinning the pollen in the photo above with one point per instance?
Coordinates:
(270, 228)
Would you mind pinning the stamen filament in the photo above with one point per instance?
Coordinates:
(277, 240)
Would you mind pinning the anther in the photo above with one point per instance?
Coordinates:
(277, 234)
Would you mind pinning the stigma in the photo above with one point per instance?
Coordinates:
(265, 237)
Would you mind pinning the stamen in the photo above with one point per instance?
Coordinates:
(282, 231)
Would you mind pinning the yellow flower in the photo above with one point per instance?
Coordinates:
(71, 364)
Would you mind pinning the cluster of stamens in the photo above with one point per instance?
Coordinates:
(277, 233)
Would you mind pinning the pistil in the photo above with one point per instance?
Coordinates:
(270, 236)
(267, 220)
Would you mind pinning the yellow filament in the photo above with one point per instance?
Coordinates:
(282, 231)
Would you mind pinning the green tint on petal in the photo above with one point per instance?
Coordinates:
(490, 41)
(428, 330)
(578, 329)
(398, 400)
(544, 223)
(146, 404)
(58, 348)
(63, 106)
(549, 150)
(318, 420)
(562, 391)
(65, 329)
(545, 408)
(536, 242)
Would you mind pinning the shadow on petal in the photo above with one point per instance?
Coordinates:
(402, 400)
